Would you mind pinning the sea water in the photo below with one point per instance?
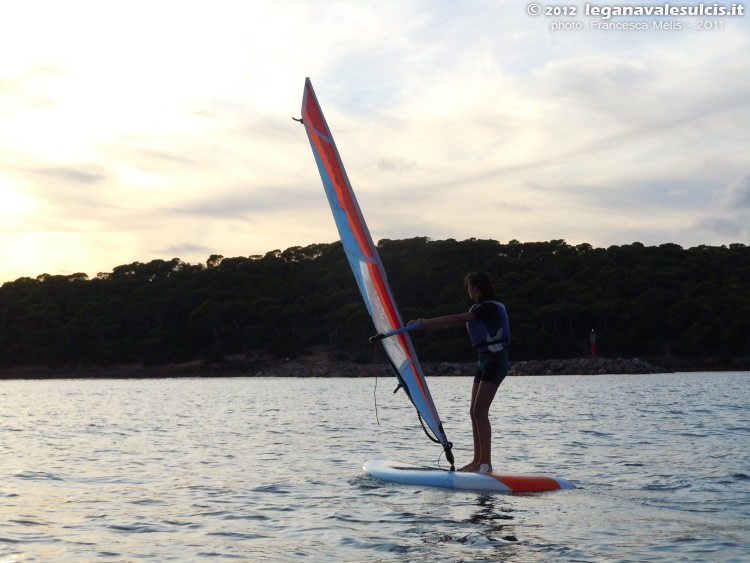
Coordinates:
(262, 469)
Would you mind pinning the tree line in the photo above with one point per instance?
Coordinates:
(647, 301)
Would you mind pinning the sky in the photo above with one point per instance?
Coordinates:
(141, 130)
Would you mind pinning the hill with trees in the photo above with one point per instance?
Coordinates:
(647, 301)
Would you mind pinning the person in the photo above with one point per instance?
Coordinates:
(489, 330)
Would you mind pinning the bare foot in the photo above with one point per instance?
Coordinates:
(470, 468)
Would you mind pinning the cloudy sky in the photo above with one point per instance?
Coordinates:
(131, 131)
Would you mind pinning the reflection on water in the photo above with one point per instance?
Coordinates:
(270, 469)
(493, 519)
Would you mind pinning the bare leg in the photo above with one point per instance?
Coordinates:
(481, 423)
(482, 395)
(474, 465)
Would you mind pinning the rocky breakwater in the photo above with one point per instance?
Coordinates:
(580, 366)
(575, 366)
(442, 369)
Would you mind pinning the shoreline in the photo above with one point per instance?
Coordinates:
(318, 366)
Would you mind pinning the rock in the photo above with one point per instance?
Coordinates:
(582, 367)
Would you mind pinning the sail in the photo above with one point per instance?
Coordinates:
(365, 263)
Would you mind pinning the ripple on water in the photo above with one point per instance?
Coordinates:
(38, 476)
(197, 469)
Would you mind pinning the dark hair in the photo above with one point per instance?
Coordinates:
(482, 282)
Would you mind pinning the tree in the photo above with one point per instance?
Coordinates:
(641, 300)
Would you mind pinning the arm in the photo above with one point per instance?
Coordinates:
(448, 321)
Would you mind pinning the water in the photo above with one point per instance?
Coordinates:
(270, 469)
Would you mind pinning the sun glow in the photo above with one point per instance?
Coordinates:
(14, 203)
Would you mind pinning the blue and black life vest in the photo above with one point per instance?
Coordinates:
(492, 336)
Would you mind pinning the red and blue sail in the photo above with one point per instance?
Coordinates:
(366, 265)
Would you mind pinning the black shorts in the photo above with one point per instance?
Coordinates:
(493, 372)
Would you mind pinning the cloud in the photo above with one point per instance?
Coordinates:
(248, 201)
(725, 227)
(20, 92)
(737, 194)
(396, 165)
(184, 249)
(69, 174)
(452, 120)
